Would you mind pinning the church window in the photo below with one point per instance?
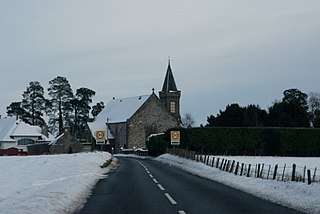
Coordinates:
(173, 107)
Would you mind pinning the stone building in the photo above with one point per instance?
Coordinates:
(129, 121)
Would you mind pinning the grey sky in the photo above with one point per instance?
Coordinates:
(222, 52)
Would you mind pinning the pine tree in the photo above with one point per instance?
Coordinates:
(96, 109)
(33, 102)
(60, 112)
(81, 106)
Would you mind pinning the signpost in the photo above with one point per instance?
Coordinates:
(100, 137)
(175, 138)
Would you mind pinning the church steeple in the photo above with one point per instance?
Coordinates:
(170, 95)
(169, 83)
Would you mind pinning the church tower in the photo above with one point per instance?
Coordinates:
(170, 96)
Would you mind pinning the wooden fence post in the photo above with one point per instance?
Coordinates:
(232, 166)
(258, 171)
(268, 172)
(261, 172)
(212, 163)
(275, 172)
(241, 171)
(217, 163)
(314, 175)
(309, 176)
(221, 165)
(248, 174)
(237, 168)
(284, 170)
(304, 174)
(293, 175)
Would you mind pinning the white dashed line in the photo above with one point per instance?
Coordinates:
(154, 180)
(161, 187)
(151, 176)
(170, 198)
(181, 212)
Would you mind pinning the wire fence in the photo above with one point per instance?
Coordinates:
(270, 172)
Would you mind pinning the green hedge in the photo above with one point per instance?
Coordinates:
(244, 141)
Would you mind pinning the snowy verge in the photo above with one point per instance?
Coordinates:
(299, 196)
(49, 183)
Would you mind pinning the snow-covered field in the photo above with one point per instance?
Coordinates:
(297, 195)
(49, 183)
(61, 183)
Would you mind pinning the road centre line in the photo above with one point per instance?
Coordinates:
(154, 180)
(161, 187)
(170, 198)
(181, 212)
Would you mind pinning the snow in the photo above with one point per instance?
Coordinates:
(61, 183)
(296, 195)
(49, 184)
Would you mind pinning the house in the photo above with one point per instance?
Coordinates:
(65, 143)
(14, 133)
(129, 121)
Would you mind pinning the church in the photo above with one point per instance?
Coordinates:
(129, 121)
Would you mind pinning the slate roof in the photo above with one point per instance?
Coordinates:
(117, 111)
(169, 83)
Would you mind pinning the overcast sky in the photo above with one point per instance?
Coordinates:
(222, 51)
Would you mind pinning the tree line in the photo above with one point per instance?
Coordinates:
(63, 107)
(296, 109)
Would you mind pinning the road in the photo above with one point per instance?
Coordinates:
(147, 186)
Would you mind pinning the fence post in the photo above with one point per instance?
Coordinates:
(304, 174)
(221, 165)
(275, 172)
(309, 176)
(241, 171)
(232, 166)
(314, 175)
(248, 174)
(258, 171)
(293, 176)
(268, 172)
(284, 170)
(217, 163)
(237, 168)
(212, 163)
(261, 172)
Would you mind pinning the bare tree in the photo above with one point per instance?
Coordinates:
(314, 106)
(188, 120)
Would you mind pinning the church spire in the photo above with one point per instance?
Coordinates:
(170, 96)
(169, 83)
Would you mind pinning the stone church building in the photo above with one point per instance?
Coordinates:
(129, 121)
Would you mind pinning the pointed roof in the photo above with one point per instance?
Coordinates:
(169, 83)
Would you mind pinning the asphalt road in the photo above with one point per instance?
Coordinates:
(147, 186)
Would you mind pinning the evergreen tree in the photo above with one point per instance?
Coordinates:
(33, 102)
(81, 106)
(96, 109)
(15, 109)
(60, 112)
(291, 112)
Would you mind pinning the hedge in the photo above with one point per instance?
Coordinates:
(243, 141)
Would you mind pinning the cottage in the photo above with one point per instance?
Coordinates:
(129, 121)
(14, 133)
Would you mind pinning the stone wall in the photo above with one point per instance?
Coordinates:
(151, 118)
(119, 131)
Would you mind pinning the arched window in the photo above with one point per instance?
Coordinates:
(25, 141)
